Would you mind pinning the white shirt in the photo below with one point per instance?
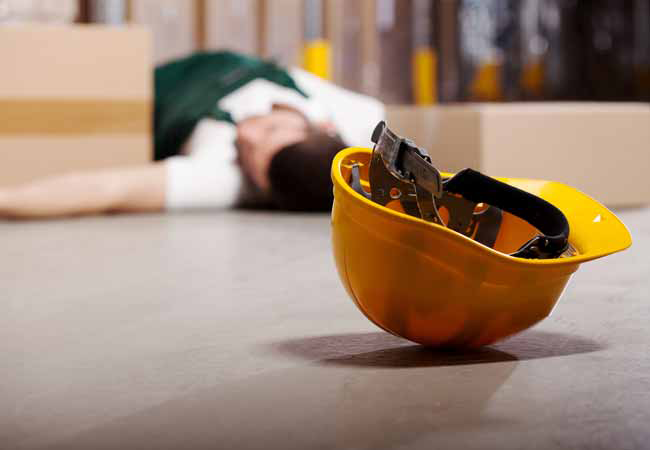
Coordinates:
(206, 174)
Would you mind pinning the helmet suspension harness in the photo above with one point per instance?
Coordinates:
(400, 170)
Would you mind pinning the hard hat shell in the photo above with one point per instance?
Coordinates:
(437, 287)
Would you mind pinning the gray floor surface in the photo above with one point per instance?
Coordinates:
(232, 331)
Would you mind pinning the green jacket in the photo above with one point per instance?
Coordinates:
(188, 90)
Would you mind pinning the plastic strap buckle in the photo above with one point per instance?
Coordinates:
(400, 165)
(399, 169)
(406, 161)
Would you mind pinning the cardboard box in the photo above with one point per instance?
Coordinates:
(73, 98)
(602, 149)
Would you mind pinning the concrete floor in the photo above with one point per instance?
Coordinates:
(232, 331)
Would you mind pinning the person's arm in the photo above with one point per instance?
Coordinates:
(136, 189)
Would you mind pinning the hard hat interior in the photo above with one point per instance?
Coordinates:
(595, 231)
(513, 231)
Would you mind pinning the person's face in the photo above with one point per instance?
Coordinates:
(260, 138)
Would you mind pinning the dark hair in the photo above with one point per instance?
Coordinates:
(300, 173)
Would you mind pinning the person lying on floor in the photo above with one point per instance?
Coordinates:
(229, 130)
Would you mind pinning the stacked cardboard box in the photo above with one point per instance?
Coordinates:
(73, 98)
(599, 148)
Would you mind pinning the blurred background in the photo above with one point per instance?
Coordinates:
(546, 89)
(404, 51)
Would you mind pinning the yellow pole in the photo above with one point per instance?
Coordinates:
(424, 76)
(424, 59)
(486, 84)
(316, 58)
(317, 49)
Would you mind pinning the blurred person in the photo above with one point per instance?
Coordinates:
(229, 130)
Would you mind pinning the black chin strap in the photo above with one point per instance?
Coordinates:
(548, 219)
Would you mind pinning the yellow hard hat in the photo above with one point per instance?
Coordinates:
(459, 263)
